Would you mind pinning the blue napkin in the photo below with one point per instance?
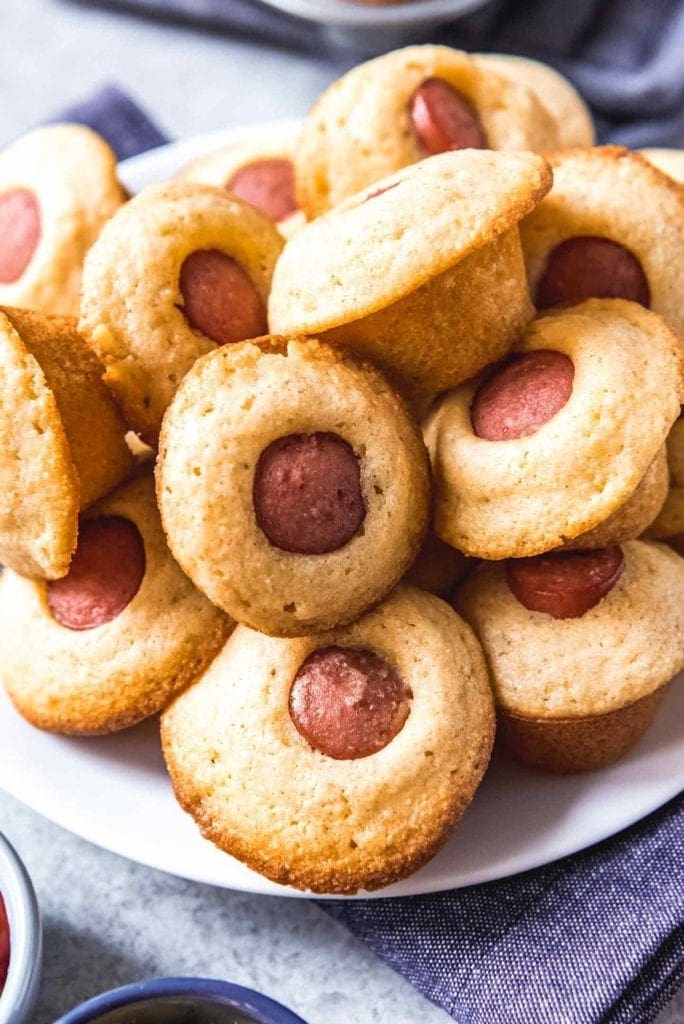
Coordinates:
(626, 56)
(596, 938)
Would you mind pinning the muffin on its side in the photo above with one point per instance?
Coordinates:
(423, 275)
(339, 761)
(62, 440)
(580, 646)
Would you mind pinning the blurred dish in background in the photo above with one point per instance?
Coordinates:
(21, 946)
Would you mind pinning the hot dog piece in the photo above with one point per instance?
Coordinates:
(220, 299)
(348, 703)
(19, 232)
(104, 576)
(443, 119)
(307, 493)
(565, 584)
(588, 267)
(267, 184)
(517, 400)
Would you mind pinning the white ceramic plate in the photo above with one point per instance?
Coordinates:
(114, 791)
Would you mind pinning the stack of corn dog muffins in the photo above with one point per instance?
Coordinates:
(347, 454)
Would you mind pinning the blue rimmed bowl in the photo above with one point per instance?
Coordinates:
(26, 938)
(167, 1000)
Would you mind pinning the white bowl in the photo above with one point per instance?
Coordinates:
(26, 938)
(376, 28)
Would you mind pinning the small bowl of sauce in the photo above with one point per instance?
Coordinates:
(21, 944)
(181, 1001)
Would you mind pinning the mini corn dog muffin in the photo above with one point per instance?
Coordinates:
(564, 438)
(424, 275)
(580, 646)
(403, 106)
(571, 115)
(61, 440)
(58, 187)
(293, 486)
(112, 641)
(612, 226)
(338, 761)
(259, 172)
(670, 161)
(181, 269)
(669, 524)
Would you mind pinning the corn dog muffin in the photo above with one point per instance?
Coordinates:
(423, 276)
(112, 641)
(670, 161)
(571, 115)
(580, 646)
(291, 513)
(58, 187)
(259, 172)
(403, 106)
(61, 440)
(339, 761)
(669, 524)
(181, 269)
(551, 444)
(611, 227)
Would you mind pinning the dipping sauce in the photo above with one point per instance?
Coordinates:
(4, 944)
(175, 1010)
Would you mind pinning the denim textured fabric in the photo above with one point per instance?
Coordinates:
(595, 937)
(112, 113)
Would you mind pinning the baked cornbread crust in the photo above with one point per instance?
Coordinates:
(571, 115)
(72, 172)
(638, 512)
(670, 520)
(670, 161)
(611, 661)
(217, 169)
(259, 791)
(231, 406)
(61, 440)
(131, 311)
(503, 499)
(425, 279)
(616, 194)
(567, 745)
(359, 130)
(99, 680)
